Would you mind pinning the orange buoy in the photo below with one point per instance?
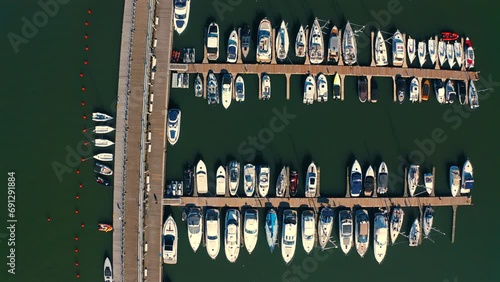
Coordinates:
(77, 197)
(83, 225)
(84, 117)
(77, 171)
(48, 219)
(83, 103)
(89, 11)
(78, 276)
(84, 88)
(76, 211)
(76, 238)
(85, 62)
(83, 159)
(84, 130)
(86, 23)
(86, 48)
(86, 36)
(81, 74)
(76, 250)
(76, 263)
(81, 185)
(85, 143)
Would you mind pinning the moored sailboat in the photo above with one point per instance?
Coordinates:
(432, 46)
(473, 98)
(422, 53)
(380, 51)
(103, 143)
(428, 220)
(459, 54)
(282, 42)
(441, 52)
(397, 219)
(281, 183)
(316, 44)
(413, 178)
(469, 54)
(429, 183)
(349, 46)
(454, 180)
(450, 54)
(325, 225)
(411, 49)
(104, 157)
(100, 129)
(415, 234)
(301, 43)
(100, 117)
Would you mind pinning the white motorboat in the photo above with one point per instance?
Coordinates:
(103, 143)
(213, 42)
(414, 90)
(263, 180)
(239, 87)
(442, 52)
(356, 179)
(380, 51)
(459, 54)
(212, 89)
(271, 229)
(432, 46)
(102, 169)
(100, 129)
(334, 45)
(428, 220)
(201, 177)
(220, 183)
(398, 49)
(473, 98)
(100, 117)
(337, 86)
(251, 229)
(282, 42)
(289, 235)
(450, 93)
(232, 235)
(429, 182)
(397, 219)
(322, 90)
(362, 231)
(301, 43)
(422, 53)
(195, 227)
(439, 91)
(234, 177)
(170, 241)
(281, 183)
(264, 42)
(266, 87)
(469, 54)
(174, 125)
(349, 46)
(382, 179)
(108, 270)
(411, 48)
(413, 178)
(249, 175)
(308, 230)
(212, 232)
(454, 180)
(345, 230)
(311, 180)
(198, 86)
(325, 226)
(316, 44)
(181, 15)
(415, 234)
(227, 90)
(232, 47)
(467, 178)
(450, 54)
(369, 183)
(380, 236)
(309, 90)
(104, 157)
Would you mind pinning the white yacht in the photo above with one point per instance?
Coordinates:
(334, 45)
(201, 178)
(439, 91)
(239, 87)
(213, 42)
(467, 178)
(432, 46)
(322, 91)
(382, 179)
(173, 125)
(308, 230)
(441, 52)
(212, 232)
(104, 157)
(337, 86)
(281, 183)
(356, 179)
(380, 51)
(450, 54)
(271, 227)
(428, 220)
(232, 47)
(380, 236)
(198, 86)
(266, 87)
(459, 54)
(170, 241)
(345, 230)
(263, 180)
(362, 231)
(251, 229)
(411, 48)
(454, 180)
(397, 219)
(103, 143)
(232, 235)
(316, 44)
(415, 234)
(264, 42)
(100, 129)
(325, 226)
(100, 117)
(473, 98)
(195, 227)
(234, 177)
(249, 175)
(181, 14)
(422, 52)
(220, 183)
(413, 178)
(102, 169)
(398, 49)
(227, 90)
(301, 43)
(282, 42)
(289, 235)
(108, 271)
(349, 46)
(309, 90)
(414, 90)
(311, 180)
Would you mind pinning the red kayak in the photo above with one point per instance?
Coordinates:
(449, 36)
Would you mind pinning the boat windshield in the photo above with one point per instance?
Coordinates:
(312, 180)
(172, 134)
(326, 219)
(250, 231)
(212, 238)
(168, 242)
(346, 229)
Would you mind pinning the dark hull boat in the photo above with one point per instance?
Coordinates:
(294, 182)
(374, 96)
(461, 93)
(245, 33)
(426, 90)
(102, 181)
(363, 89)
(401, 89)
(188, 180)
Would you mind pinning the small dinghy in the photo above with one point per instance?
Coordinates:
(103, 143)
(103, 129)
(239, 86)
(100, 117)
(104, 157)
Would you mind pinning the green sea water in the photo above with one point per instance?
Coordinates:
(42, 121)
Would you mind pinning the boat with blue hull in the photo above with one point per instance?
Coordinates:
(271, 229)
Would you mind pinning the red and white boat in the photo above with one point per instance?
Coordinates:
(294, 181)
(469, 54)
(449, 36)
